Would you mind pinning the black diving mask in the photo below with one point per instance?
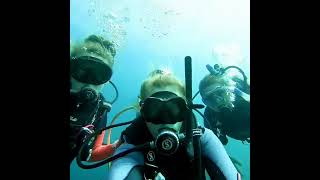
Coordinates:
(90, 70)
(163, 107)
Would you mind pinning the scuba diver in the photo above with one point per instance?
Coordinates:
(162, 120)
(90, 69)
(228, 104)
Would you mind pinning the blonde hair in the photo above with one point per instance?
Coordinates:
(95, 46)
(159, 79)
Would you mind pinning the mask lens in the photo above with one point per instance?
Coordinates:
(214, 98)
(90, 70)
(159, 111)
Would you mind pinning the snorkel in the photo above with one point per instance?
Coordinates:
(193, 133)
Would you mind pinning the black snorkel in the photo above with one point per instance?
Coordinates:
(193, 134)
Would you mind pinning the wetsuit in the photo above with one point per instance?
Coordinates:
(136, 165)
(234, 123)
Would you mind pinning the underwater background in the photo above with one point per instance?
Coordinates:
(152, 34)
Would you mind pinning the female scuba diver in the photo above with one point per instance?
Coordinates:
(90, 69)
(228, 104)
(162, 121)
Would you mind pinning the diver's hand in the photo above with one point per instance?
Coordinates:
(159, 176)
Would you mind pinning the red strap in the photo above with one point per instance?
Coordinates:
(99, 140)
(100, 151)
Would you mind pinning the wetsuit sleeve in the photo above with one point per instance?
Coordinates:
(124, 167)
(218, 163)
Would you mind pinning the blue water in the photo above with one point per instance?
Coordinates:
(160, 33)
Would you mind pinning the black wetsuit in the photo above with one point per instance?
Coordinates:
(234, 123)
(82, 115)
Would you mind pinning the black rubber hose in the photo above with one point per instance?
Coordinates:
(195, 95)
(98, 164)
(245, 79)
(88, 138)
(117, 92)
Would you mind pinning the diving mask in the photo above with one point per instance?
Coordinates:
(90, 70)
(163, 107)
(215, 96)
